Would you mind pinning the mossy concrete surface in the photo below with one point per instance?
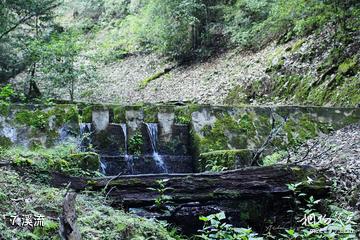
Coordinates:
(34, 125)
(184, 129)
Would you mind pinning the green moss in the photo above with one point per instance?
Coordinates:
(4, 108)
(146, 81)
(150, 113)
(50, 227)
(297, 45)
(236, 96)
(348, 66)
(228, 132)
(347, 94)
(301, 130)
(119, 114)
(37, 118)
(86, 116)
(86, 160)
(183, 115)
(72, 115)
(273, 158)
(225, 159)
(60, 115)
(96, 219)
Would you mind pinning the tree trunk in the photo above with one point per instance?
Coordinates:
(68, 228)
(34, 91)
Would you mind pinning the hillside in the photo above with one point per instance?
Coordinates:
(179, 119)
(224, 60)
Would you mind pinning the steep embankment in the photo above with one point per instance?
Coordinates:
(321, 69)
(339, 155)
(203, 82)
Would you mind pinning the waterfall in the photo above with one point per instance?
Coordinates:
(9, 132)
(152, 129)
(84, 141)
(84, 128)
(128, 159)
(102, 166)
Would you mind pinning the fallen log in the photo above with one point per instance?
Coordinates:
(134, 190)
(249, 196)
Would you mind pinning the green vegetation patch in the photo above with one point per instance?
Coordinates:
(225, 159)
(88, 161)
(5, 142)
(228, 131)
(119, 114)
(136, 143)
(62, 158)
(150, 113)
(146, 81)
(95, 218)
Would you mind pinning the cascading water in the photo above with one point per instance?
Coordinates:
(102, 166)
(129, 159)
(85, 130)
(152, 129)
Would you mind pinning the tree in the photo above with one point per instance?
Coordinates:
(59, 62)
(15, 13)
(21, 22)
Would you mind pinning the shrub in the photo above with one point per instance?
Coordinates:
(164, 26)
(216, 228)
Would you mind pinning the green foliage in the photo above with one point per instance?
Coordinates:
(5, 142)
(274, 158)
(164, 26)
(347, 66)
(61, 158)
(37, 119)
(136, 143)
(150, 114)
(60, 64)
(183, 115)
(88, 161)
(162, 199)
(19, 25)
(96, 219)
(6, 93)
(216, 228)
(119, 115)
(225, 160)
(268, 20)
(337, 223)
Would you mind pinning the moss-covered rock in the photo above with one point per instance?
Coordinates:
(225, 159)
(86, 160)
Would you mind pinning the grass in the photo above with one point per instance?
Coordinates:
(21, 195)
